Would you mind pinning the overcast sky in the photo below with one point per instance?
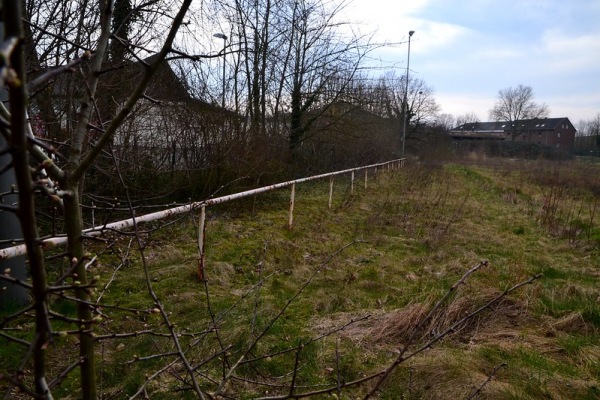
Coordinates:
(468, 50)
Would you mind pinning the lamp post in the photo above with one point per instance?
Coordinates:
(224, 37)
(405, 103)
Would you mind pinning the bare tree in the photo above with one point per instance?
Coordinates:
(79, 42)
(421, 108)
(289, 52)
(467, 118)
(515, 104)
(590, 127)
(316, 56)
(383, 97)
(445, 121)
(588, 134)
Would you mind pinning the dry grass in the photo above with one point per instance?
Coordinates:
(416, 232)
(395, 328)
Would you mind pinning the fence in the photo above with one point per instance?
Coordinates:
(14, 251)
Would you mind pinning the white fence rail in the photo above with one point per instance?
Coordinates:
(18, 250)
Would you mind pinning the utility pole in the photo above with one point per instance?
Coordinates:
(224, 37)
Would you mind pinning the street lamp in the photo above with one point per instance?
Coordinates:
(405, 105)
(224, 37)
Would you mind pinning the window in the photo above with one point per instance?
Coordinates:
(558, 134)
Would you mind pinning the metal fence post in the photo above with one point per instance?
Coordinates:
(330, 192)
(292, 199)
(201, 237)
(352, 183)
(366, 174)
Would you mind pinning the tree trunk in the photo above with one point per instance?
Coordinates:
(19, 150)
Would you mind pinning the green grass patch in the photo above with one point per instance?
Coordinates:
(277, 298)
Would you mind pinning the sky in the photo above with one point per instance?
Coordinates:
(468, 50)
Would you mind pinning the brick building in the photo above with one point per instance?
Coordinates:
(558, 133)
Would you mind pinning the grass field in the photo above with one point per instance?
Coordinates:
(344, 295)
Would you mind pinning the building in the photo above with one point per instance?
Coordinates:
(168, 129)
(558, 133)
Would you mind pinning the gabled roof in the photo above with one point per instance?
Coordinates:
(535, 124)
(164, 85)
(119, 81)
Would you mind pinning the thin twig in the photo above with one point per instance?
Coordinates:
(315, 339)
(295, 370)
(489, 378)
(34, 84)
(152, 357)
(60, 377)
(112, 278)
(338, 371)
(152, 293)
(380, 375)
(279, 314)
(402, 357)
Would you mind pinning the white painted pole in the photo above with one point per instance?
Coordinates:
(330, 192)
(201, 238)
(292, 199)
(352, 183)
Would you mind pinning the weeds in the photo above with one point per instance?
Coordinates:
(354, 301)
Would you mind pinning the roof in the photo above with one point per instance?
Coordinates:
(535, 124)
(119, 81)
(164, 85)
